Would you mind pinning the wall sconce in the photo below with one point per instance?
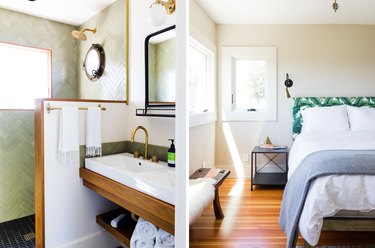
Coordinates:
(288, 83)
(160, 10)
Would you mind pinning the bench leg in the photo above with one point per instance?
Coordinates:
(217, 207)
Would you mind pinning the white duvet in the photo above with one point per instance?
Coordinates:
(330, 194)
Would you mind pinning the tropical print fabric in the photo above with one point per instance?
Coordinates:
(301, 103)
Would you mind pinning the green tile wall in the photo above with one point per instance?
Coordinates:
(17, 127)
(162, 66)
(110, 24)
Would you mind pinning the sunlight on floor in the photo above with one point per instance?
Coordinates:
(237, 163)
(227, 225)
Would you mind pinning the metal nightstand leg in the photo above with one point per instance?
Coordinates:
(251, 169)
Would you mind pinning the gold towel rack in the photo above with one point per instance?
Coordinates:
(49, 108)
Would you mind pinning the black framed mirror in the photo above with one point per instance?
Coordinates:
(94, 63)
(160, 69)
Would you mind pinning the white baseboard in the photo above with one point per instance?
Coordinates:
(96, 240)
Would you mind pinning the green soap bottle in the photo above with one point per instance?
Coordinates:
(172, 155)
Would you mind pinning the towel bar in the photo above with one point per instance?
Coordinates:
(49, 108)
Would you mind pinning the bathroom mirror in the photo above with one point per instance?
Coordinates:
(94, 63)
(160, 63)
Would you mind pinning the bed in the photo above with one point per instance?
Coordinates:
(326, 130)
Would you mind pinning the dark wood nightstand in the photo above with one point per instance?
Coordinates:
(266, 178)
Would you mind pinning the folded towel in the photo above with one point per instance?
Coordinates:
(68, 136)
(93, 132)
(116, 221)
(144, 234)
(201, 193)
(164, 239)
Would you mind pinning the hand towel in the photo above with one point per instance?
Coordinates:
(164, 239)
(93, 132)
(201, 193)
(116, 221)
(143, 235)
(68, 136)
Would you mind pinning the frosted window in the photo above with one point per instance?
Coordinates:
(25, 75)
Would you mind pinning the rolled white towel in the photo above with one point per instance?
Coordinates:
(116, 221)
(144, 234)
(143, 244)
(164, 239)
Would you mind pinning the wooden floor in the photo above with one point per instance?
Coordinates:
(251, 220)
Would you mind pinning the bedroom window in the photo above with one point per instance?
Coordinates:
(201, 83)
(26, 75)
(249, 84)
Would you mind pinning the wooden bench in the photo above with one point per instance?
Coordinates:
(200, 173)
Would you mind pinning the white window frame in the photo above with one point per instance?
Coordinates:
(202, 118)
(229, 57)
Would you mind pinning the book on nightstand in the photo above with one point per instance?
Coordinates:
(272, 146)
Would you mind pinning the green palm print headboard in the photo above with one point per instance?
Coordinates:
(301, 103)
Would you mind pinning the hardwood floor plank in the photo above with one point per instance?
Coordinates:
(251, 220)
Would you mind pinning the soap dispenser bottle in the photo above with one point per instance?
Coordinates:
(172, 155)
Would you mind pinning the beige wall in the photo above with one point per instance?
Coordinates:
(202, 138)
(111, 34)
(322, 60)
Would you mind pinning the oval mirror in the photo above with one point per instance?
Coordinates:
(94, 63)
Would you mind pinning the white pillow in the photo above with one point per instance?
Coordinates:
(332, 119)
(361, 118)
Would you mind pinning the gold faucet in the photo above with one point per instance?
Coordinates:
(146, 139)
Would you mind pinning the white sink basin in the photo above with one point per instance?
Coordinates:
(154, 179)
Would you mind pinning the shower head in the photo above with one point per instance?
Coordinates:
(79, 35)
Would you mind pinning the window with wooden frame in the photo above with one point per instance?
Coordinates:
(25, 76)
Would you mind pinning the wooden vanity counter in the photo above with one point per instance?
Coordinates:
(158, 212)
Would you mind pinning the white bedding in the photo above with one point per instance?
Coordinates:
(330, 194)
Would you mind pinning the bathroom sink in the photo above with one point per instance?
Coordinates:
(128, 162)
(154, 179)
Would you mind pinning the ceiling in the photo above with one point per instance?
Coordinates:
(289, 11)
(76, 12)
(73, 12)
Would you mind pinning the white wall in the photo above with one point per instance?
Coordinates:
(159, 129)
(202, 138)
(322, 60)
(71, 208)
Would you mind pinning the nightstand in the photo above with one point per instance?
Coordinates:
(271, 159)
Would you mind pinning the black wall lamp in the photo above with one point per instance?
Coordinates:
(288, 83)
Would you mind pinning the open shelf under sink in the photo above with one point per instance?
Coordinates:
(124, 232)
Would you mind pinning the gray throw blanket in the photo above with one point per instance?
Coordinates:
(317, 164)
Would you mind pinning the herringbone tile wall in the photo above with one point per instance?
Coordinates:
(162, 87)
(166, 70)
(17, 127)
(111, 26)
